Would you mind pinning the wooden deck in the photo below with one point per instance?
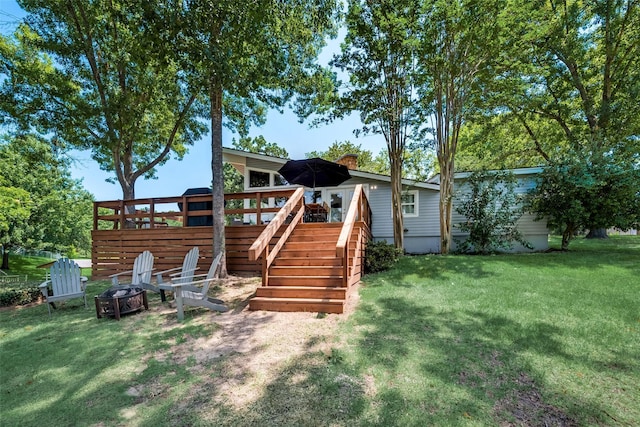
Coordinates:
(304, 266)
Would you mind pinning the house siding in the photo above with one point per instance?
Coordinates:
(535, 232)
(422, 235)
(263, 164)
(423, 231)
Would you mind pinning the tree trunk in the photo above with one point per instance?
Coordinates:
(5, 258)
(128, 193)
(215, 94)
(597, 233)
(567, 235)
(396, 200)
(446, 204)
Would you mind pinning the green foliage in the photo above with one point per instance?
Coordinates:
(55, 211)
(379, 54)
(248, 57)
(15, 209)
(491, 209)
(567, 86)
(419, 163)
(260, 145)
(341, 148)
(18, 295)
(575, 195)
(94, 76)
(380, 256)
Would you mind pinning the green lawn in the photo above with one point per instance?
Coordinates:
(536, 339)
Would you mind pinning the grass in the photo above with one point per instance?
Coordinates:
(536, 339)
(27, 266)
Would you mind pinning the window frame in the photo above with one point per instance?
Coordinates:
(416, 198)
(272, 179)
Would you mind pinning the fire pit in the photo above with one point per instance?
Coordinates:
(120, 300)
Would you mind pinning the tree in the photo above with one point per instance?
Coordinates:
(91, 75)
(418, 163)
(260, 145)
(15, 210)
(47, 209)
(379, 53)
(460, 44)
(491, 209)
(248, 56)
(572, 91)
(341, 148)
(575, 194)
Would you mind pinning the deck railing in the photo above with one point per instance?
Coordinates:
(359, 210)
(160, 212)
(293, 210)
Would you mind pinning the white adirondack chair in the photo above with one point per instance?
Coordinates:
(187, 293)
(178, 274)
(141, 273)
(66, 283)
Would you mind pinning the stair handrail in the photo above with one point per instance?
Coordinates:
(358, 208)
(262, 242)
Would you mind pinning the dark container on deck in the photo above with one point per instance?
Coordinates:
(200, 220)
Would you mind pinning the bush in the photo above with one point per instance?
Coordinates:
(491, 209)
(380, 256)
(19, 295)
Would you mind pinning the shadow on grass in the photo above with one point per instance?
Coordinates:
(466, 366)
(434, 266)
(585, 254)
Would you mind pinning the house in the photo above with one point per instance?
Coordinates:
(420, 200)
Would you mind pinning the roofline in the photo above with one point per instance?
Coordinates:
(254, 155)
(355, 173)
(517, 171)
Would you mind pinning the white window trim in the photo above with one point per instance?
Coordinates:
(271, 173)
(416, 199)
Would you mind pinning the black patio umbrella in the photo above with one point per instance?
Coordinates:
(314, 172)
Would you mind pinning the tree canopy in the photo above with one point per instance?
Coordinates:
(42, 207)
(379, 54)
(248, 57)
(90, 75)
(564, 95)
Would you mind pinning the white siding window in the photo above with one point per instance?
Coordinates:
(410, 203)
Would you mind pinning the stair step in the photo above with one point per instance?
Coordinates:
(315, 261)
(312, 270)
(297, 304)
(308, 252)
(314, 292)
(335, 281)
(312, 244)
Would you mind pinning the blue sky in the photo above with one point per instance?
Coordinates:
(195, 168)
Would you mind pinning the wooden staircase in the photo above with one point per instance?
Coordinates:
(307, 275)
(310, 266)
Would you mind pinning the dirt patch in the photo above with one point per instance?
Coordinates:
(251, 347)
(527, 408)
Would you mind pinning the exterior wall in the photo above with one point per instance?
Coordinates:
(535, 232)
(263, 164)
(422, 231)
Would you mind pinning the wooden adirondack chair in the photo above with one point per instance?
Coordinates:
(141, 273)
(66, 283)
(185, 273)
(187, 293)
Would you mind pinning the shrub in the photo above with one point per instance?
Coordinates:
(380, 256)
(491, 209)
(18, 295)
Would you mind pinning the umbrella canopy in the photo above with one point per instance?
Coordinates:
(314, 172)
